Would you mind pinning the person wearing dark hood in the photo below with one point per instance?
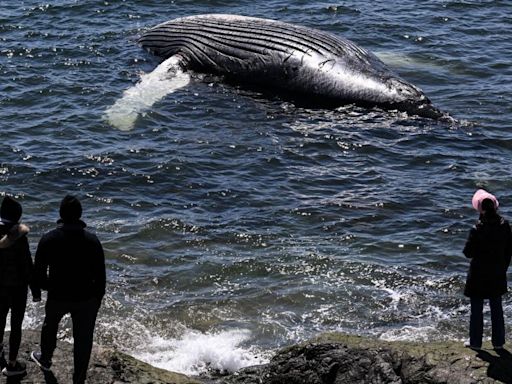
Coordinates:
(489, 246)
(15, 276)
(70, 265)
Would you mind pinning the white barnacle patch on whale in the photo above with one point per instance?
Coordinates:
(152, 87)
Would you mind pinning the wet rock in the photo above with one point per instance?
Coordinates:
(329, 359)
(339, 358)
(107, 366)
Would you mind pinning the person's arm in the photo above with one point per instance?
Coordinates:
(29, 265)
(100, 278)
(508, 246)
(40, 279)
(470, 247)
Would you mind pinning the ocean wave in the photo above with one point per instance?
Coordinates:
(195, 352)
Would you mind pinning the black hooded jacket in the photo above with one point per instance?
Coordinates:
(70, 263)
(489, 246)
(16, 265)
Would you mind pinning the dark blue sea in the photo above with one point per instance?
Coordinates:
(235, 223)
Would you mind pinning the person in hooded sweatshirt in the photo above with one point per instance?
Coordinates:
(489, 246)
(70, 265)
(15, 277)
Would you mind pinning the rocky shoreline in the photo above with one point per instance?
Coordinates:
(341, 358)
(107, 366)
(328, 359)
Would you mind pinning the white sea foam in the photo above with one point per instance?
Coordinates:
(191, 353)
(152, 87)
(196, 352)
(410, 333)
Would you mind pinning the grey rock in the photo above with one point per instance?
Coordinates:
(328, 359)
(107, 366)
(339, 358)
(319, 363)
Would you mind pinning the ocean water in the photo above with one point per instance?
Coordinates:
(235, 223)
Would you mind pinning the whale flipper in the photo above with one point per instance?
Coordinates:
(152, 87)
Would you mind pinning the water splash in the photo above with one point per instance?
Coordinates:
(195, 352)
(152, 87)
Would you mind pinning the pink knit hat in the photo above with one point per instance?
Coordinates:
(480, 196)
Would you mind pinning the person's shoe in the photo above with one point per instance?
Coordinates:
(15, 370)
(498, 347)
(467, 344)
(43, 364)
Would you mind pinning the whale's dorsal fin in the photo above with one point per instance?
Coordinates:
(152, 87)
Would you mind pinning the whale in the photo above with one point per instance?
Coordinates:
(308, 63)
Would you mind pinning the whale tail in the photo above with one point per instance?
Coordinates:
(152, 87)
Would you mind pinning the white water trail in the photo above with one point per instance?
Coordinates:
(152, 87)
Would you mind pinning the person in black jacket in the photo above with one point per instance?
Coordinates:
(15, 277)
(70, 265)
(489, 246)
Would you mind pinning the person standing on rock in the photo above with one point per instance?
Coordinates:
(15, 276)
(70, 265)
(489, 246)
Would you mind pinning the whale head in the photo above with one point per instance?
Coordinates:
(408, 98)
(402, 91)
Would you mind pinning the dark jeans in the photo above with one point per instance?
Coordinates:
(476, 322)
(15, 299)
(83, 315)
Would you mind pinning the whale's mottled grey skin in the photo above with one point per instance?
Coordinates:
(292, 58)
